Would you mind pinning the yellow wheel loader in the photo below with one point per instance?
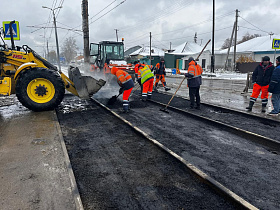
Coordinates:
(37, 83)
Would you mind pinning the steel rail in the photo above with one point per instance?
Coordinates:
(270, 144)
(236, 200)
(230, 110)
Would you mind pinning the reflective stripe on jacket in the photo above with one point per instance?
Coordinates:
(145, 73)
(123, 77)
(195, 70)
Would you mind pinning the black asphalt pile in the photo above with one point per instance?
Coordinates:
(115, 168)
(247, 169)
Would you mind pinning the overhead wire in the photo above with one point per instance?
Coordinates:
(163, 13)
(253, 25)
(98, 12)
(108, 12)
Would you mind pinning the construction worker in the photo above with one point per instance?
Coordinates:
(274, 88)
(160, 75)
(126, 83)
(194, 82)
(147, 81)
(261, 79)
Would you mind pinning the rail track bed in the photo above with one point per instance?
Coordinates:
(264, 125)
(117, 168)
(245, 167)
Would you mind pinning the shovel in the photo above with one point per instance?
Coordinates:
(113, 99)
(165, 108)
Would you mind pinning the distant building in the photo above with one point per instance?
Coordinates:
(143, 54)
(255, 48)
(178, 58)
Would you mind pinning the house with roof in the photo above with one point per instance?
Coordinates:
(176, 59)
(143, 54)
(255, 48)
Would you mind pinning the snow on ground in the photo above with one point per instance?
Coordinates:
(220, 74)
(227, 75)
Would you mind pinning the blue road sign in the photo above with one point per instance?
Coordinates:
(276, 44)
(15, 30)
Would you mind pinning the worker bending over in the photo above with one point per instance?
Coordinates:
(147, 81)
(126, 83)
(160, 75)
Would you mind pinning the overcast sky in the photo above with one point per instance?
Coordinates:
(174, 21)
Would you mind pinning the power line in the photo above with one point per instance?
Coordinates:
(163, 13)
(107, 12)
(202, 22)
(253, 25)
(98, 12)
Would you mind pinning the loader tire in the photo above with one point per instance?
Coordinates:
(40, 89)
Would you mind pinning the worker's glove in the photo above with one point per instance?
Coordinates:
(121, 90)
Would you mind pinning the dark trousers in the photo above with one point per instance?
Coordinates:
(194, 94)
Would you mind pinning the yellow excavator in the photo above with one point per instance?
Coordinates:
(37, 83)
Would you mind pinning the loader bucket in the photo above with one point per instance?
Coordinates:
(86, 86)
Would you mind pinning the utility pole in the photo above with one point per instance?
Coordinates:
(56, 39)
(150, 48)
(48, 50)
(170, 46)
(230, 43)
(195, 37)
(213, 42)
(85, 30)
(235, 40)
(116, 34)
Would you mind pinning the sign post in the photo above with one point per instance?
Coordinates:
(15, 30)
(275, 45)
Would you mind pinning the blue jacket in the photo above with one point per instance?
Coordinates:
(274, 85)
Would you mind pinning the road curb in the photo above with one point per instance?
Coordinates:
(74, 187)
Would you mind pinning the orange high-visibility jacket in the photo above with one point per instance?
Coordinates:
(195, 70)
(122, 77)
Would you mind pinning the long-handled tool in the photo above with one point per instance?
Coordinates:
(165, 108)
(114, 98)
(135, 90)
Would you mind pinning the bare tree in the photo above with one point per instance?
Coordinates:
(226, 44)
(69, 49)
(52, 56)
(247, 37)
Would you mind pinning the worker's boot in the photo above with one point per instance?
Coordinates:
(155, 88)
(250, 106)
(263, 108)
(149, 96)
(166, 88)
(126, 107)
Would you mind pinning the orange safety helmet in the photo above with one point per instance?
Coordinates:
(114, 70)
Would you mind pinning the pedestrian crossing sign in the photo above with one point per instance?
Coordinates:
(276, 44)
(15, 30)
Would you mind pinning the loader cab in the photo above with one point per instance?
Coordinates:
(105, 51)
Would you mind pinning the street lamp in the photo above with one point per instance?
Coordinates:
(57, 47)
